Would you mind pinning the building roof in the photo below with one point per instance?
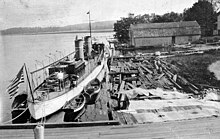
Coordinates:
(165, 25)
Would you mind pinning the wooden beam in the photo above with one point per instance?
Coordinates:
(122, 86)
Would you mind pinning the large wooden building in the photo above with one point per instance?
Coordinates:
(164, 34)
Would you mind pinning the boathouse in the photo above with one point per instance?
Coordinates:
(164, 34)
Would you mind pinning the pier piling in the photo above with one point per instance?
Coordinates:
(39, 132)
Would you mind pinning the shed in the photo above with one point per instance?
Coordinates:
(164, 34)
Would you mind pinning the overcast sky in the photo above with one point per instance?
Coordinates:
(32, 13)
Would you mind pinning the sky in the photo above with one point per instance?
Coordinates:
(44, 13)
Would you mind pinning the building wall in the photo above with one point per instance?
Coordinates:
(160, 41)
(182, 39)
(164, 34)
(163, 41)
(186, 39)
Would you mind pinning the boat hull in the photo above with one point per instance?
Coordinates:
(91, 91)
(73, 116)
(74, 109)
(92, 98)
(42, 109)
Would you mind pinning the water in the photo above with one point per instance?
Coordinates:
(15, 50)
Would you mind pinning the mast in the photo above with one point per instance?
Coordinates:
(90, 28)
(29, 82)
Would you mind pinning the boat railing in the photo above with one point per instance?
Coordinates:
(47, 94)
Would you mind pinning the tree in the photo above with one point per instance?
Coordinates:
(215, 4)
(168, 17)
(121, 27)
(202, 12)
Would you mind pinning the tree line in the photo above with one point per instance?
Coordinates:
(103, 25)
(204, 12)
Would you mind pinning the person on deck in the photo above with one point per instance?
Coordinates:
(73, 81)
(60, 77)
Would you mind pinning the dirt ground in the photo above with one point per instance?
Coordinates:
(195, 67)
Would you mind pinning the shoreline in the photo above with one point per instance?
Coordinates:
(62, 32)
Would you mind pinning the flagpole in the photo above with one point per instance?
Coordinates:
(29, 82)
(90, 28)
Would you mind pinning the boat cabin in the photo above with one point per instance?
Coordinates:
(68, 67)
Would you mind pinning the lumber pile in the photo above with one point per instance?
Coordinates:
(155, 81)
(148, 73)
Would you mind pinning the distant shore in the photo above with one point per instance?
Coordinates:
(63, 32)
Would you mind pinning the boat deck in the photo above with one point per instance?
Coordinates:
(197, 128)
(90, 65)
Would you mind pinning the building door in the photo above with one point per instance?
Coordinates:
(173, 40)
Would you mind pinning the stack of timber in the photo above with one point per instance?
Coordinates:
(147, 72)
(148, 89)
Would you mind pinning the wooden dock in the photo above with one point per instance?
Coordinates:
(99, 110)
(148, 73)
(127, 75)
(193, 129)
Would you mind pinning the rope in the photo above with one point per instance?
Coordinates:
(15, 117)
(21, 103)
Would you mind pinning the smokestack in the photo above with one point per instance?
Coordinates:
(79, 49)
(88, 43)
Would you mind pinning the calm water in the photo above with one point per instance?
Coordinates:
(15, 50)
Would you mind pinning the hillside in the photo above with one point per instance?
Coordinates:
(96, 26)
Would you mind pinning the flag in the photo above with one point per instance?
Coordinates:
(13, 87)
(88, 12)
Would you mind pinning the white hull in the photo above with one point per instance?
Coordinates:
(42, 109)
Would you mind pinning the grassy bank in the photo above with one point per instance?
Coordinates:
(195, 67)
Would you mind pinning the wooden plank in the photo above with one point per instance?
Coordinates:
(124, 73)
(131, 85)
(159, 77)
(144, 80)
(122, 86)
(115, 87)
(193, 86)
(195, 128)
(138, 83)
(134, 83)
(177, 85)
(120, 117)
(122, 69)
(128, 119)
(141, 71)
(148, 78)
(128, 79)
(146, 69)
